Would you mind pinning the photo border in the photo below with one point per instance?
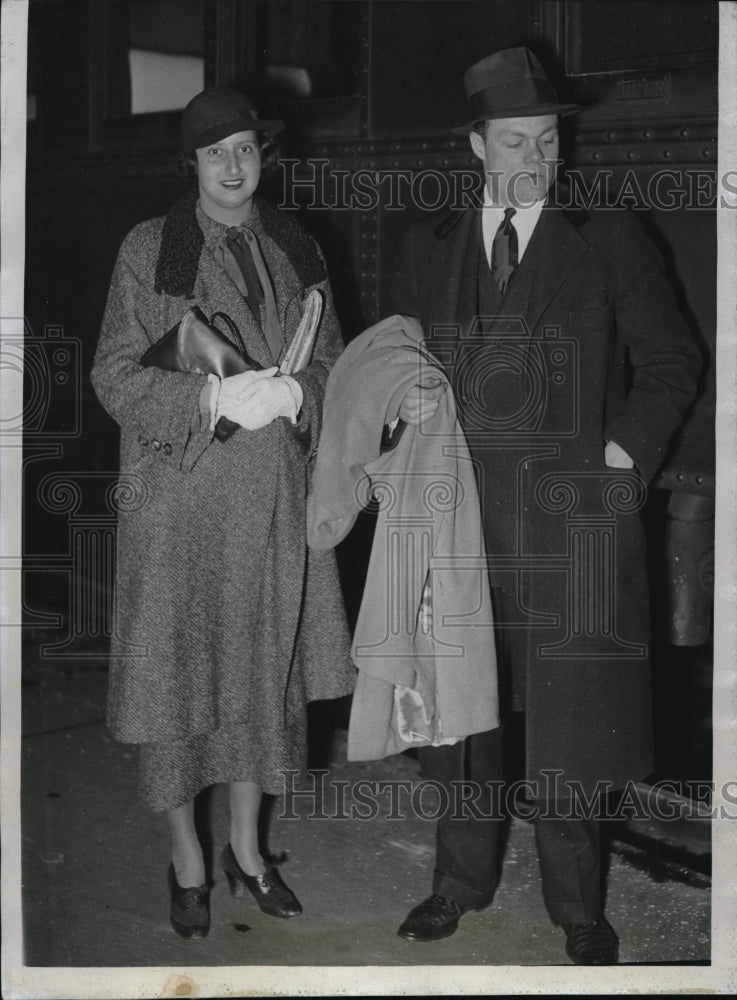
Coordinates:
(20, 981)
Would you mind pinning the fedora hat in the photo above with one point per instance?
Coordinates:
(215, 114)
(509, 84)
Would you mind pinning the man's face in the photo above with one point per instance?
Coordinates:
(520, 157)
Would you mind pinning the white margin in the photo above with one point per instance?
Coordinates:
(724, 831)
(13, 46)
(20, 982)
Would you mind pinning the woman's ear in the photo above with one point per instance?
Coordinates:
(270, 152)
(187, 164)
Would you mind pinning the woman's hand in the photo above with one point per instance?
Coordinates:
(422, 401)
(254, 399)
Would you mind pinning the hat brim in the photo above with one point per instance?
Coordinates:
(524, 112)
(224, 129)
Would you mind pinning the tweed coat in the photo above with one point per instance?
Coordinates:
(222, 618)
(586, 346)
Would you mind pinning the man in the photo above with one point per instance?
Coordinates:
(571, 368)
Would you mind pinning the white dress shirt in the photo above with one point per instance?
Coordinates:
(524, 221)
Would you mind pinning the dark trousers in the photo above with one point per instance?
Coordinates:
(468, 838)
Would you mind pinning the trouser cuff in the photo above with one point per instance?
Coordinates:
(572, 912)
(465, 896)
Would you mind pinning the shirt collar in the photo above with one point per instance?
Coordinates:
(533, 210)
(524, 221)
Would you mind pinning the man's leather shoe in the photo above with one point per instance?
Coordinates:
(434, 918)
(592, 944)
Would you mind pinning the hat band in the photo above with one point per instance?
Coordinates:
(521, 94)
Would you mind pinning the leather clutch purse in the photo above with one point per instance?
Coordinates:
(196, 345)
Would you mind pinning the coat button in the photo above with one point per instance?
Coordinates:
(167, 448)
(142, 439)
(156, 444)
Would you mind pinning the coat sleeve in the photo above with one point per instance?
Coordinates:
(404, 294)
(312, 379)
(158, 411)
(664, 358)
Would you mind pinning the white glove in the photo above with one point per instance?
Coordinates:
(234, 387)
(255, 401)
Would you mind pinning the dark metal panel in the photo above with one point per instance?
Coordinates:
(606, 37)
(420, 50)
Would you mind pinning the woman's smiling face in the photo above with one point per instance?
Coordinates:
(228, 172)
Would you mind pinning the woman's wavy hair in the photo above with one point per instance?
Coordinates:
(268, 147)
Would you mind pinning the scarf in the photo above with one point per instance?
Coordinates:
(182, 242)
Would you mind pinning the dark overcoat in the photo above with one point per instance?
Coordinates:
(222, 618)
(586, 346)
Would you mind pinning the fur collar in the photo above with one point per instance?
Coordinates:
(182, 242)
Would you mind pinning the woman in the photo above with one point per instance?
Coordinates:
(225, 627)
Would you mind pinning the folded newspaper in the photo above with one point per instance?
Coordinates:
(297, 355)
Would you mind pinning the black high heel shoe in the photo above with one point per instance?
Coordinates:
(268, 889)
(190, 908)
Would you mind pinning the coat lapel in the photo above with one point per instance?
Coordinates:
(553, 252)
(454, 291)
(229, 300)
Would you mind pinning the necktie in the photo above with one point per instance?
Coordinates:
(245, 251)
(504, 251)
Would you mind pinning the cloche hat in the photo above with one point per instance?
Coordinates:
(215, 114)
(510, 83)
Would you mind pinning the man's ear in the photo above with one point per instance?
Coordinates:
(477, 144)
